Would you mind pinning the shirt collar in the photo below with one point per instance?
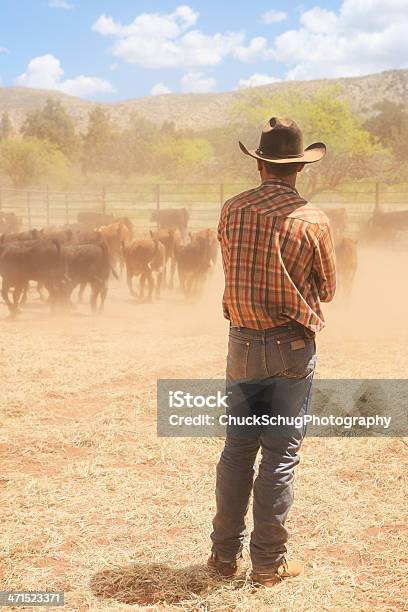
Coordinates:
(277, 181)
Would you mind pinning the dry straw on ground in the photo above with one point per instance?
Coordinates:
(93, 503)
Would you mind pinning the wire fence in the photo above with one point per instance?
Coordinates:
(46, 207)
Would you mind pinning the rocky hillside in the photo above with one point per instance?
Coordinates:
(207, 110)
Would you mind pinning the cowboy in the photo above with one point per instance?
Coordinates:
(279, 266)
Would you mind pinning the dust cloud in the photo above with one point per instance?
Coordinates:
(366, 333)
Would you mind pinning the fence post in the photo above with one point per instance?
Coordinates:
(47, 210)
(104, 200)
(377, 197)
(66, 209)
(158, 205)
(28, 210)
(222, 194)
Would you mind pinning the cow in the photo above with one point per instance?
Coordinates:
(64, 235)
(32, 234)
(168, 218)
(115, 236)
(170, 239)
(214, 248)
(338, 222)
(9, 222)
(385, 226)
(145, 258)
(347, 263)
(194, 263)
(93, 219)
(89, 263)
(38, 260)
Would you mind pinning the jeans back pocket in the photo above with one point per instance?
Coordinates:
(237, 359)
(298, 356)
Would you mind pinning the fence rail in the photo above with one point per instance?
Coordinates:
(45, 207)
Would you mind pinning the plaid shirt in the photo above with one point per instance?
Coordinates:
(278, 258)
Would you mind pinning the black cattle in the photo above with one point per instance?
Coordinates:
(88, 263)
(194, 260)
(385, 226)
(145, 258)
(37, 260)
(32, 234)
(83, 236)
(168, 218)
(64, 235)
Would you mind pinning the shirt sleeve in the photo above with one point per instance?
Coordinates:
(223, 239)
(324, 265)
(221, 224)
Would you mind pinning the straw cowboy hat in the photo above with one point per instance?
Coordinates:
(282, 143)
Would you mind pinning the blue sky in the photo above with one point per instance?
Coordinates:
(116, 50)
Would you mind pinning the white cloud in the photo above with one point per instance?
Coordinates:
(160, 89)
(257, 79)
(156, 40)
(60, 4)
(149, 24)
(273, 16)
(363, 37)
(4, 50)
(197, 82)
(45, 72)
(84, 86)
(319, 20)
(373, 14)
(257, 48)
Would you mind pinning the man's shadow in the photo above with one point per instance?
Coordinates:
(154, 583)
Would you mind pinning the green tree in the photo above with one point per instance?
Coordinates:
(52, 123)
(352, 152)
(6, 126)
(390, 126)
(30, 161)
(98, 142)
(133, 147)
(182, 156)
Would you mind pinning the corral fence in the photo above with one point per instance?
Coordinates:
(46, 207)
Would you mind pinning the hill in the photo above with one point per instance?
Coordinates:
(199, 111)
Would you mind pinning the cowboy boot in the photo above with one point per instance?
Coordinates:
(225, 568)
(270, 577)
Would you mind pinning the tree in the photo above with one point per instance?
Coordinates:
(52, 123)
(182, 156)
(98, 154)
(352, 152)
(29, 161)
(6, 126)
(390, 126)
(133, 147)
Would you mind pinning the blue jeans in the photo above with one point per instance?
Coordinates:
(269, 373)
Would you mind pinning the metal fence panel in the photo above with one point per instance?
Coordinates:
(42, 207)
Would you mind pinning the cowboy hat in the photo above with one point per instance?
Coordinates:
(282, 143)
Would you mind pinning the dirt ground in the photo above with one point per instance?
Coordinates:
(95, 504)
